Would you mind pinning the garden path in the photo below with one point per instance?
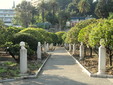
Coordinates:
(61, 69)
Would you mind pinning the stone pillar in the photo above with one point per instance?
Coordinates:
(102, 59)
(47, 46)
(74, 49)
(23, 58)
(81, 51)
(57, 44)
(65, 45)
(70, 47)
(39, 51)
(51, 46)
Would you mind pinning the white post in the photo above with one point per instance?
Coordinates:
(65, 45)
(51, 46)
(57, 44)
(39, 51)
(81, 51)
(74, 49)
(47, 46)
(23, 58)
(70, 47)
(102, 59)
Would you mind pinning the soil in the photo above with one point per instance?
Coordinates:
(9, 68)
(91, 63)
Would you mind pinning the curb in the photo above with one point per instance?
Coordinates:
(27, 77)
(89, 73)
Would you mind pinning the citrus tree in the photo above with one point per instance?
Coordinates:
(72, 34)
(103, 31)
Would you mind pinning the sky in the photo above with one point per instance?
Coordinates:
(7, 4)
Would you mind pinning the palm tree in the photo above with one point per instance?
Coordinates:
(42, 7)
(54, 5)
(83, 6)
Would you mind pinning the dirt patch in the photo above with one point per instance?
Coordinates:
(10, 69)
(91, 63)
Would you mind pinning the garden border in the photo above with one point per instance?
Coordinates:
(87, 72)
(29, 76)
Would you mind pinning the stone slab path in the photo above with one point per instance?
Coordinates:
(61, 69)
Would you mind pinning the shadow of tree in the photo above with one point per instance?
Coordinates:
(46, 80)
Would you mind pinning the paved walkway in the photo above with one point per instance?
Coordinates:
(61, 69)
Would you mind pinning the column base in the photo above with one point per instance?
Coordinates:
(100, 73)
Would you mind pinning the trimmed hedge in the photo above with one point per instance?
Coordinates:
(26, 37)
(34, 32)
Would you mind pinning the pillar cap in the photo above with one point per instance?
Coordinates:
(22, 43)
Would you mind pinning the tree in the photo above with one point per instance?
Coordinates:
(72, 9)
(72, 34)
(59, 35)
(103, 31)
(2, 25)
(63, 3)
(103, 8)
(83, 6)
(110, 15)
(63, 16)
(24, 13)
(83, 35)
(51, 18)
(54, 6)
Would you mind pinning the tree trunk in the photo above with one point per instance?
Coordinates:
(43, 13)
(90, 51)
(110, 58)
(85, 48)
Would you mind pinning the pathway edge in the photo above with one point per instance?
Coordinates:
(87, 72)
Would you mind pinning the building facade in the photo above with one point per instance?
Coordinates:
(7, 15)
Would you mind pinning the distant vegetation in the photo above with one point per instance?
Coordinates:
(57, 12)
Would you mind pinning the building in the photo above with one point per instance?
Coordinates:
(75, 20)
(6, 15)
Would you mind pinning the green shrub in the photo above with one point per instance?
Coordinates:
(28, 38)
(15, 50)
(59, 35)
(53, 37)
(33, 32)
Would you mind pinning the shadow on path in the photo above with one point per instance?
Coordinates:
(46, 80)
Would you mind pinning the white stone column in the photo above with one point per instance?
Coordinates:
(81, 51)
(57, 44)
(23, 58)
(51, 46)
(65, 45)
(102, 60)
(47, 46)
(74, 49)
(70, 47)
(39, 51)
